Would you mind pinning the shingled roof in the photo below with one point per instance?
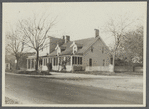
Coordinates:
(53, 43)
(83, 43)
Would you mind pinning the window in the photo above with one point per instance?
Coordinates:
(102, 49)
(28, 63)
(75, 60)
(90, 62)
(46, 61)
(54, 61)
(91, 48)
(32, 63)
(79, 60)
(103, 62)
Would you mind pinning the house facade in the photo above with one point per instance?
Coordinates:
(89, 54)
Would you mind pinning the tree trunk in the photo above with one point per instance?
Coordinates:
(37, 58)
(113, 62)
(17, 63)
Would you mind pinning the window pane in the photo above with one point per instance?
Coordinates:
(28, 63)
(81, 60)
(54, 61)
(75, 60)
(32, 63)
(90, 62)
(72, 60)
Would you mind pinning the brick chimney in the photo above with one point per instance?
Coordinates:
(66, 38)
(96, 32)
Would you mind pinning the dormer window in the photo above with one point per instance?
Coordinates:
(75, 49)
(58, 49)
(74, 46)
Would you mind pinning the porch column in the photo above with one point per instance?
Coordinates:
(71, 60)
(58, 63)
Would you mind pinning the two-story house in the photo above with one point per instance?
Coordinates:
(89, 54)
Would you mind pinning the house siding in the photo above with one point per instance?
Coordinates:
(97, 56)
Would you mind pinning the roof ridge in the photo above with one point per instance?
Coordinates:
(85, 39)
(54, 37)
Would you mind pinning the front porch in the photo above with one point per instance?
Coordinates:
(59, 63)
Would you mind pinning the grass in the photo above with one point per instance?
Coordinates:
(34, 72)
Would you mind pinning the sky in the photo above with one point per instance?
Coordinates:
(76, 19)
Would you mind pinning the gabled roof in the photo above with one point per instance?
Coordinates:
(53, 43)
(84, 43)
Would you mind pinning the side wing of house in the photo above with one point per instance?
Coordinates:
(97, 55)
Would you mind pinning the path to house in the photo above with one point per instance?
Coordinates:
(70, 88)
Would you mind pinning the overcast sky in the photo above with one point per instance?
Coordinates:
(75, 19)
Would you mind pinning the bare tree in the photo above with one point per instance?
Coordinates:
(133, 45)
(35, 33)
(118, 28)
(14, 46)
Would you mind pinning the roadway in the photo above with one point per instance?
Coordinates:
(41, 90)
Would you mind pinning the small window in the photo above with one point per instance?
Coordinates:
(91, 49)
(103, 62)
(102, 49)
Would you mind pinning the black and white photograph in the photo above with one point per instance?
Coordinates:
(74, 54)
